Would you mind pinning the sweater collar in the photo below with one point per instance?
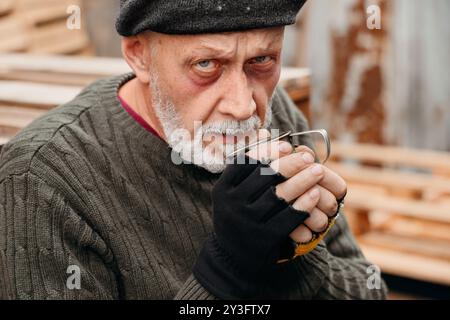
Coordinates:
(156, 150)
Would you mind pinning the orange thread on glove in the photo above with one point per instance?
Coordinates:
(304, 248)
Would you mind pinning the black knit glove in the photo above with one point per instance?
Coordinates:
(251, 227)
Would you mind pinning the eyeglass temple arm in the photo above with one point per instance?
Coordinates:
(322, 132)
(324, 135)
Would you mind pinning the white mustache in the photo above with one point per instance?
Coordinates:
(232, 127)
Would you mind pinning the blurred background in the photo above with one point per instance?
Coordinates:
(374, 74)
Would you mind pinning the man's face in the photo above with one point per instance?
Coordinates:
(225, 81)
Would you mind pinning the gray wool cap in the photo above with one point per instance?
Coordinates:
(204, 16)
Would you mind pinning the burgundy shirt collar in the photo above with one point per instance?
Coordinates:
(137, 117)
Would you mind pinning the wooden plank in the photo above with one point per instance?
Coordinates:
(66, 65)
(36, 94)
(56, 38)
(8, 132)
(38, 12)
(427, 247)
(13, 36)
(4, 140)
(35, 4)
(296, 82)
(18, 118)
(14, 44)
(6, 6)
(391, 178)
(299, 77)
(415, 228)
(433, 160)
(45, 13)
(359, 199)
(409, 265)
(48, 77)
(60, 46)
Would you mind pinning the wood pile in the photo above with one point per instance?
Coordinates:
(32, 84)
(40, 26)
(398, 206)
(296, 82)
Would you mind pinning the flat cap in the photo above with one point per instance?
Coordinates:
(204, 16)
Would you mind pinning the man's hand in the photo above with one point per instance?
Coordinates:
(251, 225)
(253, 216)
(310, 187)
(313, 187)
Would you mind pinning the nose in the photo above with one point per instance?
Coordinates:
(237, 98)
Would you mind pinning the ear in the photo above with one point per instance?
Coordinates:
(136, 51)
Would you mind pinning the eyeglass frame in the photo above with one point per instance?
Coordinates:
(289, 134)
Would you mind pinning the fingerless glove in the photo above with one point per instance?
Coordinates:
(251, 225)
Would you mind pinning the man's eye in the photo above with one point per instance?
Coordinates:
(262, 59)
(205, 65)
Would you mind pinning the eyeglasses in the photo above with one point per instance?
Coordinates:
(322, 132)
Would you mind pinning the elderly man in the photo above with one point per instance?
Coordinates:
(126, 191)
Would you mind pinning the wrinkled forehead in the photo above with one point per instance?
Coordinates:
(226, 43)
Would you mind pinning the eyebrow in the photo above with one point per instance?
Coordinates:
(210, 50)
(224, 52)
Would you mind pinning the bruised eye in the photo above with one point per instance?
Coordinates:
(206, 65)
(261, 60)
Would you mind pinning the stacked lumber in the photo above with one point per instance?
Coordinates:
(296, 81)
(32, 84)
(295, 78)
(40, 26)
(398, 206)
(13, 31)
(60, 70)
(13, 119)
(23, 102)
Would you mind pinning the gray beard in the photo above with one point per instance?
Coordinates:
(191, 150)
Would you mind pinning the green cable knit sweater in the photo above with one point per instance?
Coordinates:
(86, 186)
